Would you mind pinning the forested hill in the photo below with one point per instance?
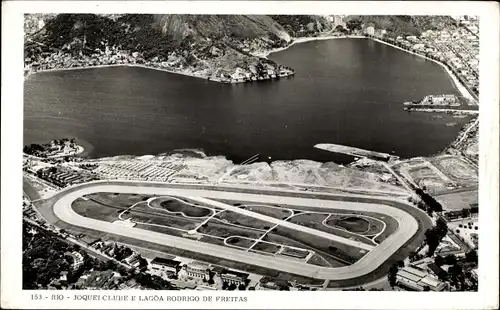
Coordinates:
(402, 24)
(162, 33)
(209, 46)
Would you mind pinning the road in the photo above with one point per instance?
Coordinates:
(472, 112)
(407, 227)
(400, 179)
(91, 251)
(464, 134)
(282, 223)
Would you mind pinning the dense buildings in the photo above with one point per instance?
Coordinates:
(418, 280)
(457, 46)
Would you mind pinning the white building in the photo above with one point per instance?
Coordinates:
(230, 277)
(198, 270)
(168, 266)
(417, 279)
(77, 260)
(370, 30)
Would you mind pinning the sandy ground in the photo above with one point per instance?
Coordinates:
(465, 232)
(439, 174)
(43, 189)
(220, 169)
(311, 172)
(458, 201)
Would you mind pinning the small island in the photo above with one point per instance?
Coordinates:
(56, 148)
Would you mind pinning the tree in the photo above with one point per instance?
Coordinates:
(224, 285)
(232, 287)
(450, 259)
(392, 275)
(109, 265)
(401, 264)
(471, 256)
(340, 28)
(432, 240)
(439, 261)
(241, 287)
(354, 24)
(456, 274)
(441, 227)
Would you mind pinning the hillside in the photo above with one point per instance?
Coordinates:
(303, 25)
(212, 46)
(221, 26)
(402, 24)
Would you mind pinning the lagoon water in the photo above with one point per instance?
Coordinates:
(345, 91)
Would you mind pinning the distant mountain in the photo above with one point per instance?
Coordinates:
(143, 32)
(212, 45)
(35, 22)
(402, 24)
(303, 25)
(220, 26)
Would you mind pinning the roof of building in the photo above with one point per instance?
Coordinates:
(236, 273)
(183, 284)
(418, 272)
(437, 270)
(412, 285)
(409, 276)
(198, 265)
(218, 269)
(431, 281)
(165, 262)
(474, 272)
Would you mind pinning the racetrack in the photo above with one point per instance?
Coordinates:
(407, 227)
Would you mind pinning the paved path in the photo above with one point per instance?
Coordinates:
(407, 227)
(400, 179)
(283, 223)
(464, 134)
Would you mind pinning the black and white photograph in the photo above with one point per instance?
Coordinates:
(250, 152)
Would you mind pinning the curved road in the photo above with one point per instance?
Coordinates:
(407, 227)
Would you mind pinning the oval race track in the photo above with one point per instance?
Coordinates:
(407, 224)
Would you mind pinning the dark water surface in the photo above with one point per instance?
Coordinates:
(345, 91)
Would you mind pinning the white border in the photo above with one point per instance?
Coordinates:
(11, 145)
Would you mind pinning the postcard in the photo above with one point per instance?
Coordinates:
(220, 154)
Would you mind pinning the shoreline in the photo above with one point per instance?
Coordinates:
(185, 73)
(458, 85)
(79, 150)
(126, 65)
(261, 54)
(266, 53)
